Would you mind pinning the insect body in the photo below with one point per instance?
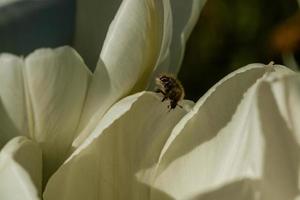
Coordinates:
(171, 88)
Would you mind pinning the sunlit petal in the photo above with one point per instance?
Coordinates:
(137, 40)
(220, 150)
(134, 41)
(56, 85)
(129, 138)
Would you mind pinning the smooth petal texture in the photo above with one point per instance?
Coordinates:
(230, 146)
(99, 98)
(185, 15)
(137, 39)
(92, 21)
(12, 97)
(286, 92)
(129, 138)
(20, 170)
(56, 86)
(282, 147)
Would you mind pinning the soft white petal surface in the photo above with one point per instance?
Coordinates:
(137, 39)
(99, 98)
(134, 42)
(286, 91)
(20, 170)
(128, 139)
(233, 145)
(12, 98)
(56, 86)
(185, 15)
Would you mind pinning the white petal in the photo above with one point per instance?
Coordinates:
(129, 138)
(20, 170)
(236, 83)
(92, 21)
(99, 98)
(286, 91)
(195, 9)
(135, 41)
(12, 97)
(222, 150)
(282, 148)
(57, 82)
(138, 38)
(185, 15)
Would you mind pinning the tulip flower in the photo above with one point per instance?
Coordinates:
(51, 103)
(239, 141)
(69, 134)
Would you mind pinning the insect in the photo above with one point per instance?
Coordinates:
(171, 88)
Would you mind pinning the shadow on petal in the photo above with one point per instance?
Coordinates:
(281, 159)
(225, 100)
(8, 129)
(151, 192)
(128, 138)
(99, 98)
(20, 170)
(241, 189)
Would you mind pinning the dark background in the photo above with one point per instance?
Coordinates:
(229, 34)
(233, 33)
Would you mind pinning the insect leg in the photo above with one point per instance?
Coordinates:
(160, 91)
(163, 99)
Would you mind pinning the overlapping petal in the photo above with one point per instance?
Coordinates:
(20, 170)
(93, 19)
(12, 96)
(234, 144)
(185, 15)
(286, 93)
(56, 85)
(224, 148)
(136, 41)
(51, 96)
(130, 137)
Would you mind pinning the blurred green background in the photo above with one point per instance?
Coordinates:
(233, 33)
(229, 34)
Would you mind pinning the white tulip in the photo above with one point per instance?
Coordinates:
(240, 141)
(52, 105)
